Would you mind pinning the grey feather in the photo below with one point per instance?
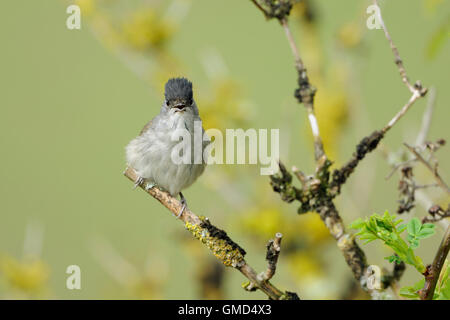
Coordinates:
(150, 152)
(178, 88)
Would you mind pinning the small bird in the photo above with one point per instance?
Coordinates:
(150, 153)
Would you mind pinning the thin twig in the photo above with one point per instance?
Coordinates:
(318, 195)
(369, 143)
(390, 279)
(427, 117)
(305, 93)
(397, 166)
(298, 60)
(417, 191)
(260, 8)
(432, 273)
(273, 251)
(398, 60)
(436, 214)
(300, 176)
(426, 186)
(414, 97)
(310, 197)
(435, 173)
(416, 89)
(227, 251)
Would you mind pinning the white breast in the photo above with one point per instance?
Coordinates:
(150, 154)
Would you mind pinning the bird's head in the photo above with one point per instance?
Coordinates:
(179, 96)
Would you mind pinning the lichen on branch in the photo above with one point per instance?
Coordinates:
(215, 239)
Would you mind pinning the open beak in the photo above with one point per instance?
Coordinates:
(179, 107)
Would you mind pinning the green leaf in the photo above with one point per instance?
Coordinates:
(409, 292)
(412, 292)
(401, 228)
(368, 237)
(414, 244)
(418, 264)
(393, 258)
(419, 285)
(428, 226)
(357, 224)
(385, 229)
(398, 221)
(425, 233)
(414, 226)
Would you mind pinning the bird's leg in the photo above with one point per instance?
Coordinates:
(138, 182)
(149, 185)
(184, 205)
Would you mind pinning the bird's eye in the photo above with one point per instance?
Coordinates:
(191, 102)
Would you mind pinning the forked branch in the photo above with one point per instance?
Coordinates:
(317, 193)
(217, 240)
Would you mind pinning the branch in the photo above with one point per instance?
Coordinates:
(365, 146)
(390, 279)
(305, 93)
(435, 173)
(370, 143)
(217, 240)
(398, 60)
(433, 271)
(420, 92)
(407, 185)
(427, 117)
(273, 9)
(317, 194)
(313, 196)
(437, 214)
(261, 9)
(273, 251)
(298, 60)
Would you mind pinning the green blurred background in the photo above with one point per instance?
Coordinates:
(72, 99)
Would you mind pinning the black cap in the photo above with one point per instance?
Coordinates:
(178, 88)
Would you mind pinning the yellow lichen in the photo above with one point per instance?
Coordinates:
(230, 257)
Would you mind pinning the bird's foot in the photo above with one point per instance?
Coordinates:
(138, 182)
(149, 186)
(184, 205)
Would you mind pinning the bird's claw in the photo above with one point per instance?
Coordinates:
(138, 182)
(182, 210)
(149, 186)
(184, 205)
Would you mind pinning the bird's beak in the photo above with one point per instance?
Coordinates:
(179, 107)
